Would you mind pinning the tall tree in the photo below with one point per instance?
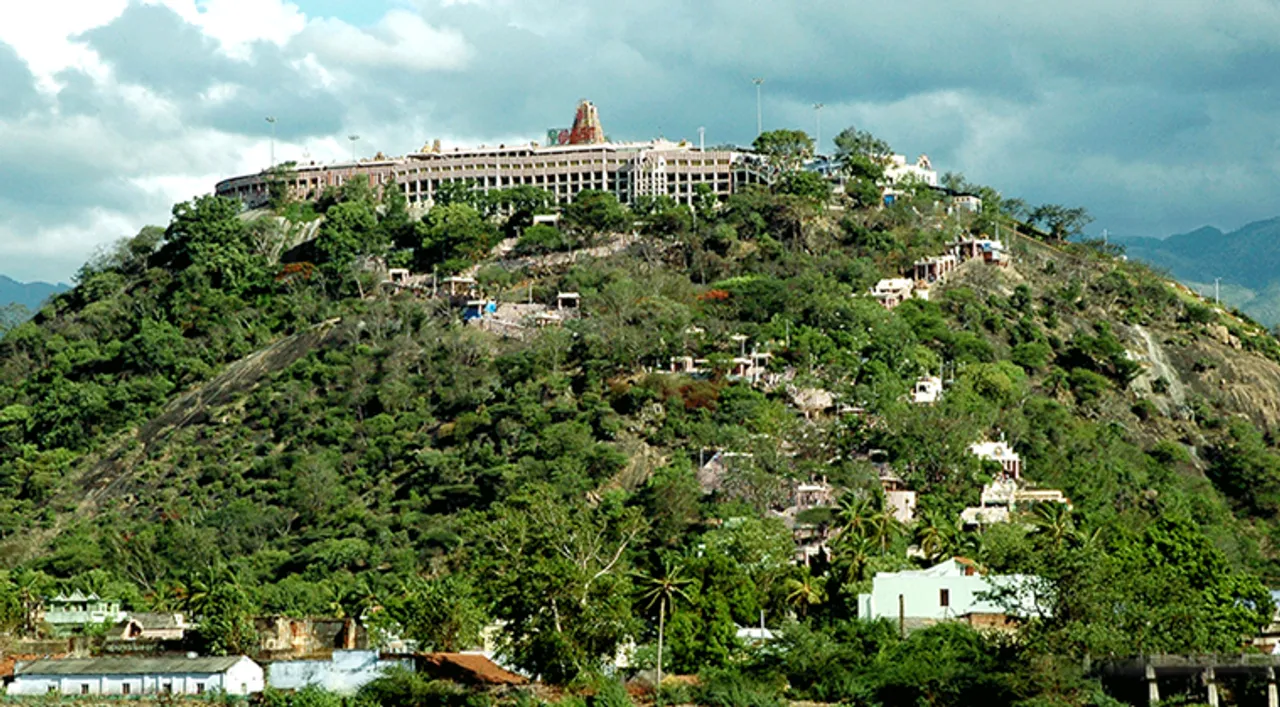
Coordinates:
(785, 149)
(1062, 222)
(664, 588)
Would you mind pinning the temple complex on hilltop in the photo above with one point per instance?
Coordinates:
(582, 159)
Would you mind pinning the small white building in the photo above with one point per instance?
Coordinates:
(971, 203)
(67, 614)
(232, 675)
(949, 590)
(893, 291)
(1001, 453)
(927, 391)
(899, 171)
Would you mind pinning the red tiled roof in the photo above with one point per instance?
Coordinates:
(470, 668)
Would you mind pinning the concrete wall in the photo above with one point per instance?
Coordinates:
(346, 673)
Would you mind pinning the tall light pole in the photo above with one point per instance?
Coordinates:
(702, 139)
(1216, 299)
(759, 112)
(272, 119)
(817, 141)
(353, 139)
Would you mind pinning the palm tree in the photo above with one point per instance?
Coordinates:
(663, 589)
(854, 515)
(883, 527)
(855, 552)
(805, 592)
(1053, 522)
(935, 536)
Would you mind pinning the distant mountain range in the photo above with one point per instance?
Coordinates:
(1246, 260)
(28, 294)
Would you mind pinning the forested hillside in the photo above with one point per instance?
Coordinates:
(235, 415)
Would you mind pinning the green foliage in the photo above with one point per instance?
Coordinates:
(442, 614)
(432, 478)
(594, 212)
(453, 236)
(785, 149)
(541, 238)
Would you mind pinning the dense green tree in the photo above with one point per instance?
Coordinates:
(785, 149)
(594, 212)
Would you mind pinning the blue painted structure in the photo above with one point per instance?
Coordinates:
(344, 673)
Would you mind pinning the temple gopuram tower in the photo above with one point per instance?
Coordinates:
(586, 126)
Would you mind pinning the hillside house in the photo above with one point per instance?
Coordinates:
(71, 614)
(1004, 497)
(232, 675)
(951, 590)
(970, 203)
(934, 269)
(140, 626)
(927, 390)
(901, 499)
(984, 249)
(892, 292)
(1001, 453)
(899, 172)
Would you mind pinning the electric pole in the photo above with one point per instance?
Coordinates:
(759, 111)
(817, 140)
(1216, 299)
(272, 119)
(353, 139)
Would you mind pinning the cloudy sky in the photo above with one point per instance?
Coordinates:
(1159, 116)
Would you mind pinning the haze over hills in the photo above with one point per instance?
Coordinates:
(1245, 260)
(28, 294)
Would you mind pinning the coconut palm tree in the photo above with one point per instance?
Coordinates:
(883, 527)
(805, 592)
(1053, 523)
(663, 588)
(854, 515)
(935, 536)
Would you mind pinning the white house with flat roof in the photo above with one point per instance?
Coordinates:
(949, 590)
(232, 675)
(1001, 453)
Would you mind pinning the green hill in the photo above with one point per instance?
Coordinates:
(240, 416)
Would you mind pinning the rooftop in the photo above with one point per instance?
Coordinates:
(128, 666)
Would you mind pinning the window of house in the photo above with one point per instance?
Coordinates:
(124, 689)
(944, 597)
(167, 688)
(52, 689)
(84, 688)
(199, 688)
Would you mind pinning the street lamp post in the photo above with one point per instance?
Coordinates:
(759, 112)
(272, 119)
(353, 139)
(817, 141)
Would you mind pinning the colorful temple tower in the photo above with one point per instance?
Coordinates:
(586, 126)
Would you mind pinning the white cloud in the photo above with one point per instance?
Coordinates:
(40, 32)
(401, 40)
(237, 24)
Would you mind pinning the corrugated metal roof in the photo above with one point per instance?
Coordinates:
(127, 666)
